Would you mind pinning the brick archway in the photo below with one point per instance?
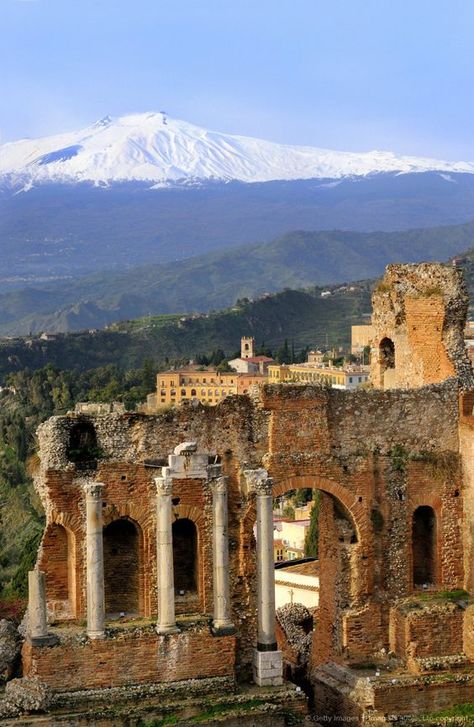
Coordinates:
(347, 627)
(352, 503)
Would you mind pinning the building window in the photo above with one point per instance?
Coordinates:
(424, 546)
(193, 392)
(350, 379)
(183, 392)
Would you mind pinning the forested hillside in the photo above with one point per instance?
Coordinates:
(302, 316)
(215, 280)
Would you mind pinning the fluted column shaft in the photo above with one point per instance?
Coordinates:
(166, 622)
(222, 621)
(95, 561)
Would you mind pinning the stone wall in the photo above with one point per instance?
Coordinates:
(376, 456)
(126, 657)
(421, 310)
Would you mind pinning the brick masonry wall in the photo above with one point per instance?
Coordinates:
(413, 699)
(342, 443)
(130, 657)
(430, 630)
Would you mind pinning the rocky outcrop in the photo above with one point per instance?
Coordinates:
(10, 646)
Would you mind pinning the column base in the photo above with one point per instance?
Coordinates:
(267, 647)
(163, 630)
(268, 668)
(96, 635)
(48, 640)
(223, 629)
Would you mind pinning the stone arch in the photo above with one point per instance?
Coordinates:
(59, 564)
(424, 542)
(346, 616)
(123, 566)
(351, 503)
(345, 622)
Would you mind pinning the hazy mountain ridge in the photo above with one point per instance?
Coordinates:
(71, 230)
(215, 280)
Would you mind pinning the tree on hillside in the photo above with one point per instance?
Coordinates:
(283, 355)
(311, 540)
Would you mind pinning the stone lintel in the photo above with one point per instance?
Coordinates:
(191, 466)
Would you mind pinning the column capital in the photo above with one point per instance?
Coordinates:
(164, 485)
(258, 481)
(93, 490)
(214, 471)
(219, 485)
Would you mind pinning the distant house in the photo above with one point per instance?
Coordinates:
(297, 583)
(249, 363)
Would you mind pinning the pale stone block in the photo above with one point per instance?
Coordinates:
(268, 668)
(188, 466)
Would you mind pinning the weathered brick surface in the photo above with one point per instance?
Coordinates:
(375, 455)
(135, 657)
(427, 630)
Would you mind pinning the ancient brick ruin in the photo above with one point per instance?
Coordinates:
(128, 496)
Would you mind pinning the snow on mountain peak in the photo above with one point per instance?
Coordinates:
(154, 148)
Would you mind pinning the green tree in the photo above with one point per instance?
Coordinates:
(311, 539)
(301, 497)
(283, 355)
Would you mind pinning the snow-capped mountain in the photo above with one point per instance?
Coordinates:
(152, 148)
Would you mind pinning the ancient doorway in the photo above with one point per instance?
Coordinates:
(122, 567)
(186, 565)
(317, 578)
(424, 546)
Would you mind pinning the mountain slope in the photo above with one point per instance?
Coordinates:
(296, 260)
(301, 316)
(151, 147)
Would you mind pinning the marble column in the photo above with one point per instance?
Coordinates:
(268, 662)
(37, 614)
(222, 623)
(95, 561)
(166, 623)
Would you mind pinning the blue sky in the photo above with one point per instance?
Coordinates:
(342, 74)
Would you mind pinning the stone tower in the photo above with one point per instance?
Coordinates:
(247, 347)
(419, 314)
